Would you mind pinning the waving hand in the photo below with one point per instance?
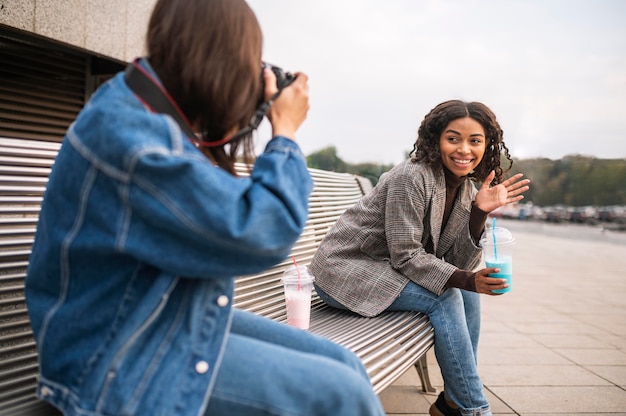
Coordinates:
(490, 198)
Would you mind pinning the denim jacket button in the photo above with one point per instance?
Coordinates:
(202, 367)
(46, 391)
(223, 301)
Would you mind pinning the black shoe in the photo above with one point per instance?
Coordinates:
(442, 408)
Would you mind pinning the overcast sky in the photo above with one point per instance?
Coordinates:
(553, 71)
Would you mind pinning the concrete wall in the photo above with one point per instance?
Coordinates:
(113, 28)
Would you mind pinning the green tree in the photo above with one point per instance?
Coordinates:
(327, 159)
(371, 171)
(574, 180)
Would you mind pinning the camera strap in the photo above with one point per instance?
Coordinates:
(155, 97)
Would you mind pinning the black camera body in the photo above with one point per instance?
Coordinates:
(283, 78)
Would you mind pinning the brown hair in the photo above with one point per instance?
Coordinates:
(207, 54)
(426, 147)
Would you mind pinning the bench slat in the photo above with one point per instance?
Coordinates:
(386, 351)
(410, 357)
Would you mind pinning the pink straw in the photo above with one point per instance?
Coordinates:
(297, 270)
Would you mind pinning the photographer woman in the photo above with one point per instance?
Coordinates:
(411, 243)
(143, 228)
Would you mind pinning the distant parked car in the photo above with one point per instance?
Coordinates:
(612, 213)
(507, 211)
(556, 213)
(581, 215)
(529, 211)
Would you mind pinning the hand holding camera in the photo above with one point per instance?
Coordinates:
(290, 108)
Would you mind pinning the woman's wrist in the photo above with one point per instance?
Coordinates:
(287, 133)
(462, 279)
(478, 217)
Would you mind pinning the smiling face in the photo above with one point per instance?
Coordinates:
(462, 145)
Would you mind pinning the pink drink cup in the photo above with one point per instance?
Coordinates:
(298, 296)
(298, 309)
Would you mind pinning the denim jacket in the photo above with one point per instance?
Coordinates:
(130, 282)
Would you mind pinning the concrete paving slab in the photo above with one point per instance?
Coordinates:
(569, 341)
(404, 400)
(573, 327)
(561, 414)
(544, 375)
(594, 356)
(569, 400)
(498, 407)
(507, 340)
(618, 341)
(615, 374)
(535, 356)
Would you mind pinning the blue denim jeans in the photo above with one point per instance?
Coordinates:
(455, 316)
(270, 368)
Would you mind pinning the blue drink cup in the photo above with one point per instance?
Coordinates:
(497, 244)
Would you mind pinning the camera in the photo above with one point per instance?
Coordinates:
(283, 78)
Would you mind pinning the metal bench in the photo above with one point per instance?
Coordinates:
(388, 344)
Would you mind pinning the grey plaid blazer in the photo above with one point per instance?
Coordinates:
(393, 235)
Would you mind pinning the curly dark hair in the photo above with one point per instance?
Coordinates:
(426, 147)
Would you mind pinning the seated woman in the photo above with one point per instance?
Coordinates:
(412, 242)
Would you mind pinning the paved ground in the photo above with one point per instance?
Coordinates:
(556, 344)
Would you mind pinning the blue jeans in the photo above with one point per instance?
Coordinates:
(455, 316)
(270, 368)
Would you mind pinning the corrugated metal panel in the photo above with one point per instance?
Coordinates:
(25, 166)
(42, 88)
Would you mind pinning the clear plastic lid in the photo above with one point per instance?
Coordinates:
(503, 237)
(291, 273)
